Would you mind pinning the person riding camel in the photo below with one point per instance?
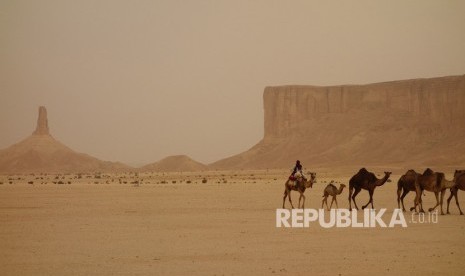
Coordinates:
(297, 168)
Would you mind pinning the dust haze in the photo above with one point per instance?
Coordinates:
(136, 82)
(157, 137)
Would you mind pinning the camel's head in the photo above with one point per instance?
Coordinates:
(343, 186)
(458, 173)
(312, 180)
(387, 174)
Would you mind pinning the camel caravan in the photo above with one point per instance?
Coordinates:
(411, 181)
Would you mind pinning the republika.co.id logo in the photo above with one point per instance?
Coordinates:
(369, 218)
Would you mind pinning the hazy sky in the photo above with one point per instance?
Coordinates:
(136, 81)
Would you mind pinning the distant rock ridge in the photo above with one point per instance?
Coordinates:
(437, 100)
(419, 121)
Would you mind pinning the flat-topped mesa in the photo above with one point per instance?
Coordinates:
(438, 100)
(42, 122)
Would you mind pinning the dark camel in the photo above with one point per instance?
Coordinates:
(434, 182)
(331, 190)
(405, 185)
(367, 181)
(459, 179)
(300, 187)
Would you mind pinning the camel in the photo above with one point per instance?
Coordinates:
(301, 185)
(434, 182)
(459, 179)
(367, 181)
(331, 190)
(405, 185)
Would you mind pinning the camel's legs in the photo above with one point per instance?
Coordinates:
(370, 201)
(290, 200)
(285, 195)
(454, 192)
(421, 205)
(351, 189)
(443, 193)
(398, 198)
(335, 200)
(325, 199)
(357, 190)
(418, 201)
(457, 200)
(450, 197)
(331, 205)
(303, 201)
(404, 193)
(436, 194)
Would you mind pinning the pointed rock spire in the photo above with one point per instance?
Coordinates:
(42, 122)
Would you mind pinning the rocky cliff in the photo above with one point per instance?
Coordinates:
(42, 122)
(420, 121)
(438, 100)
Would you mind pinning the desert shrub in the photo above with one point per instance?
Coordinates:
(204, 180)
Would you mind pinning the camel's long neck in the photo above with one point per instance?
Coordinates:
(340, 190)
(308, 183)
(383, 180)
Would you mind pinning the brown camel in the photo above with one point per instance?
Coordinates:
(367, 181)
(300, 186)
(331, 190)
(405, 185)
(459, 179)
(434, 182)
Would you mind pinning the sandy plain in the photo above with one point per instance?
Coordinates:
(99, 225)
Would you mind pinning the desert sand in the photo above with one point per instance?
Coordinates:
(99, 225)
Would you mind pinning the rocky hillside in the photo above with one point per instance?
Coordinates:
(176, 163)
(41, 153)
(411, 122)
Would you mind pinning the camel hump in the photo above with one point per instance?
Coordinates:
(363, 170)
(428, 171)
(411, 172)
